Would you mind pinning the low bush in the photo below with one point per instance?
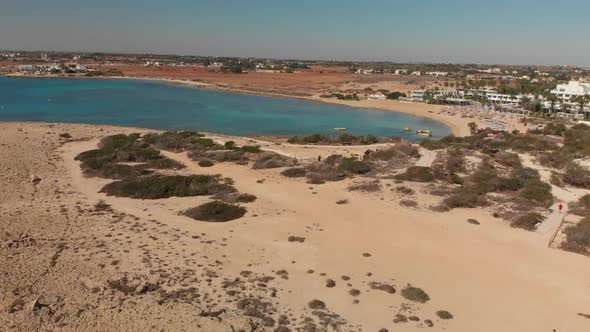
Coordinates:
(577, 142)
(235, 197)
(465, 197)
(272, 160)
(538, 192)
(178, 140)
(372, 186)
(205, 163)
(114, 171)
(554, 129)
(416, 174)
(577, 176)
(443, 314)
(555, 159)
(251, 149)
(295, 172)
(400, 150)
(65, 135)
(581, 207)
(415, 294)
(353, 166)
(405, 190)
(215, 211)
(164, 163)
(528, 221)
(507, 159)
(579, 234)
(161, 186)
(455, 162)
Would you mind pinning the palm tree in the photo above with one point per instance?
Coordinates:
(581, 101)
(552, 99)
(525, 102)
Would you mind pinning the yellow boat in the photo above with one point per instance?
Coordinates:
(407, 129)
(340, 129)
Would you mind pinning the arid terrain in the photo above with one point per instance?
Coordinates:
(74, 259)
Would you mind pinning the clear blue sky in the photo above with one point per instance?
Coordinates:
(466, 31)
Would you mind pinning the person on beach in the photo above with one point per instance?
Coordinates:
(560, 207)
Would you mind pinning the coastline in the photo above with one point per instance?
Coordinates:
(457, 126)
(455, 118)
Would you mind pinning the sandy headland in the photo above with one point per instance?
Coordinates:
(74, 259)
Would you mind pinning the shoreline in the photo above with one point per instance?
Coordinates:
(457, 127)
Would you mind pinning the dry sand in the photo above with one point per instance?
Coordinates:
(57, 254)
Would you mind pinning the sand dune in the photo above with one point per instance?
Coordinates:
(60, 255)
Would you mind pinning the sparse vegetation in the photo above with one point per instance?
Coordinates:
(417, 174)
(205, 163)
(528, 221)
(216, 211)
(443, 314)
(415, 294)
(369, 187)
(343, 139)
(161, 186)
(581, 207)
(578, 237)
(295, 172)
(577, 176)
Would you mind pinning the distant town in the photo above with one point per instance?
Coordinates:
(561, 91)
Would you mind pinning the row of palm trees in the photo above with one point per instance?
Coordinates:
(536, 106)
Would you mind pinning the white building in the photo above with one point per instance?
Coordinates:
(437, 73)
(417, 95)
(376, 96)
(401, 72)
(573, 88)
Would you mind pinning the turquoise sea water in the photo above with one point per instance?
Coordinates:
(150, 104)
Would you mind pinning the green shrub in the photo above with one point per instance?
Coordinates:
(465, 197)
(539, 192)
(443, 314)
(205, 163)
(456, 179)
(295, 172)
(160, 186)
(528, 221)
(372, 186)
(554, 129)
(164, 163)
(230, 145)
(251, 149)
(416, 174)
(507, 159)
(400, 150)
(273, 160)
(353, 166)
(178, 140)
(556, 159)
(65, 135)
(577, 142)
(234, 197)
(581, 207)
(415, 294)
(114, 171)
(577, 176)
(216, 211)
(579, 233)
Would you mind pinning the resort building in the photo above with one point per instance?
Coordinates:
(437, 73)
(573, 88)
(401, 72)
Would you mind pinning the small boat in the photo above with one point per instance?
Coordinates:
(407, 129)
(340, 129)
(424, 132)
